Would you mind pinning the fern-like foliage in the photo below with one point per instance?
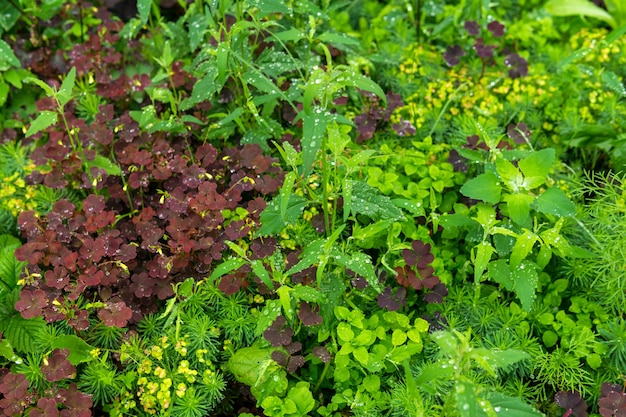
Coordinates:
(13, 158)
(8, 223)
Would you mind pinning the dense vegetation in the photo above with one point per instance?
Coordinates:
(312, 207)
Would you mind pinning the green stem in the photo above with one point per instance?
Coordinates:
(321, 379)
(445, 107)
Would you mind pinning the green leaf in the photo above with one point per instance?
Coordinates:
(362, 355)
(197, 25)
(310, 256)
(484, 187)
(7, 351)
(351, 78)
(519, 207)
(65, 92)
(503, 358)
(21, 332)
(371, 202)
(338, 38)
(314, 125)
(434, 371)
(9, 15)
(500, 272)
(104, 163)
(555, 201)
(525, 280)
(345, 332)
(361, 264)
(7, 57)
(261, 272)
(4, 92)
(143, 7)
(79, 349)
(466, 402)
(271, 220)
(483, 252)
(523, 246)
(537, 166)
(302, 397)
(506, 406)
(285, 193)
(226, 267)
(289, 35)
(45, 119)
(204, 89)
(509, 174)
(578, 8)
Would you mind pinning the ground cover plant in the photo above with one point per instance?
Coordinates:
(312, 208)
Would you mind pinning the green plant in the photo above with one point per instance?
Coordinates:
(614, 14)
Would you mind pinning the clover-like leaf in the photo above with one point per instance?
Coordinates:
(31, 303)
(115, 314)
(58, 367)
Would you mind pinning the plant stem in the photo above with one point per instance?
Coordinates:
(321, 379)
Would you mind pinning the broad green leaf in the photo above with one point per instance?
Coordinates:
(500, 272)
(9, 15)
(434, 371)
(21, 332)
(483, 252)
(314, 125)
(204, 89)
(584, 8)
(345, 332)
(353, 79)
(362, 355)
(222, 62)
(506, 406)
(104, 163)
(14, 77)
(369, 201)
(509, 174)
(197, 25)
(143, 7)
(502, 358)
(447, 342)
(554, 201)
(65, 92)
(271, 220)
(267, 316)
(289, 35)
(302, 397)
(523, 246)
(7, 57)
(79, 349)
(284, 296)
(346, 186)
(261, 82)
(310, 256)
(519, 207)
(466, 401)
(537, 166)
(525, 280)
(45, 119)
(484, 187)
(361, 264)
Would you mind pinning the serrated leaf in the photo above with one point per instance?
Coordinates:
(483, 252)
(271, 220)
(555, 201)
(79, 349)
(45, 119)
(500, 272)
(353, 79)
(197, 25)
(538, 164)
(21, 332)
(205, 88)
(310, 256)
(502, 358)
(484, 187)
(525, 280)
(371, 202)
(523, 246)
(509, 174)
(143, 7)
(314, 125)
(519, 207)
(361, 264)
(7, 351)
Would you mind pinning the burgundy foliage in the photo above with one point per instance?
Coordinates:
(418, 274)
